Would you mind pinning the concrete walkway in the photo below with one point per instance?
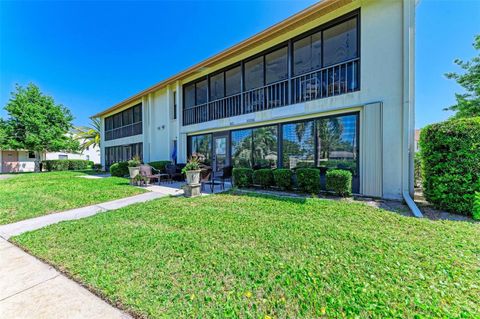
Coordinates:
(7, 231)
(30, 288)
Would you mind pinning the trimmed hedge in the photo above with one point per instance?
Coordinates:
(283, 178)
(160, 165)
(340, 182)
(451, 164)
(308, 180)
(263, 177)
(119, 169)
(242, 177)
(67, 164)
(476, 206)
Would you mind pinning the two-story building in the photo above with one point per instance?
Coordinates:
(332, 86)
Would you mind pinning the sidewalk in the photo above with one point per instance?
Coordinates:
(31, 289)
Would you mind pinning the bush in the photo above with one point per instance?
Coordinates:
(308, 180)
(242, 177)
(283, 178)
(56, 165)
(340, 182)
(476, 206)
(160, 165)
(263, 177)
(451, 164)
(97, 167)
(119, 169)
(74, 165)
(418, 170)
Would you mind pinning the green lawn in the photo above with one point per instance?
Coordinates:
(259, 257)
(30, 195)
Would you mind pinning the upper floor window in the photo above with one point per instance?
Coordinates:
(254, 73)
(125, 123)
(276, 65)
(307, 54)
(340, 42)
(233, 81)
(174, 105)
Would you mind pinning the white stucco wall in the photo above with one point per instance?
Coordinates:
(380, 100)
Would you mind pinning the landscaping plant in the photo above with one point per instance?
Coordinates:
(119, 169)
(308, 180)
(476, 206)
(451, 164)
(339, 181)
(134, 162)
(283, 178)
(242, 177)
(193, 164)
(263, 177)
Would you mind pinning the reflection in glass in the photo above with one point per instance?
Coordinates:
(265, 147)
(340, 42)
(298, 145)
(201, 147)
(242, 148)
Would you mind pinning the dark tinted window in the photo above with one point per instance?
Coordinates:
(189, 95)
(265, 147)
(242, 148)
(201, 146)
(202, 92)
(217, 86)
(340, 42)
(307, 54)
(254, 73)
(233, 79)
(276, 65)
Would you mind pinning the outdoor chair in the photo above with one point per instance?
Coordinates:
(150, 172)
(226, 175)
(172, 172)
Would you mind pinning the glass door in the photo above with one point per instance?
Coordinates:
(220, 153)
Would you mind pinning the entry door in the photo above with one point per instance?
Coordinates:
(220, 153)
(9, 161)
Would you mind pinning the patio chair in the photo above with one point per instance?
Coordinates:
(150, 172)
(172, 172)
(226, 175)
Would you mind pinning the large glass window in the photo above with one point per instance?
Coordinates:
(276, 65)
(125, 123)
(242, 148)
(254, 73)
(233, 78)
(217, 86)
(298, 145)
(189, 93)
(307, 54)
(202, 92)
(122, 153)
(337, 142)
(201, 147)
(340, 42)
(265, 153)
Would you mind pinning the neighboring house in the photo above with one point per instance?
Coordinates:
(417, 139)
(332, 86)
(24, 161)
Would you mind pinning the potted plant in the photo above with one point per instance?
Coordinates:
(134, 166)
(192, 171)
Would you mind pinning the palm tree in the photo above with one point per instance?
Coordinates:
(88, 135)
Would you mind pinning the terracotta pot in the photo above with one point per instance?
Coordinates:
(193, 177)
(134, 171)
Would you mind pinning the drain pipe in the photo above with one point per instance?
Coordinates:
(408, 103)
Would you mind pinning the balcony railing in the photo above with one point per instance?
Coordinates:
(124, 131)
(334, 80)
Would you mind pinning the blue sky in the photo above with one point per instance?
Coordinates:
(90, 55)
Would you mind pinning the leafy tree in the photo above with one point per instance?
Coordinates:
(468, 104)
(88, 135)
(35, 123)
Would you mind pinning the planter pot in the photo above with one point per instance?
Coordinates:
(193, 177)
(134, 171)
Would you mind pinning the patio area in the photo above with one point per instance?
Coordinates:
(175, 188)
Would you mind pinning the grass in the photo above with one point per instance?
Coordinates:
(253, 256)
(30, 195)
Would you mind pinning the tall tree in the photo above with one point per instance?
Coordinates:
(35, 123)
(468, 104)
(88, 135)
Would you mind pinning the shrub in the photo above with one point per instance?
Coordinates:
(97, 167)
(308, 180)
(418, 170)
(283, 178)
(263, 177)
(451, 164)
(56, 165)
(160, 165)
(119, 169)
(476, 206)
(242, 177)
(339, 181)
(77, 164)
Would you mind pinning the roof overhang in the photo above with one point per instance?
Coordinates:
(319, 9)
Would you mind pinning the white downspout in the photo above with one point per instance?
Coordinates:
(408, 104)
